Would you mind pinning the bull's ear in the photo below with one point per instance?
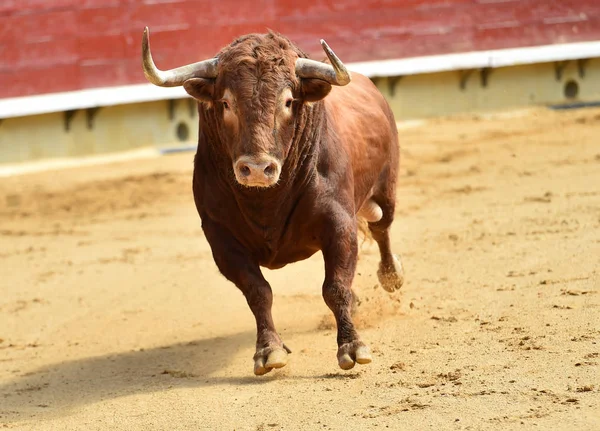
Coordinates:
(200, 89)
(314, 90)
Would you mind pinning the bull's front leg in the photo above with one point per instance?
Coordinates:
(340, 254)
(237, 265)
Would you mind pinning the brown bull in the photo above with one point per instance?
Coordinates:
(285, 165)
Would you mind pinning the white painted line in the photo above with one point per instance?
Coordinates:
(478, 59)
(83, 99)
(411, 124)
(76, 162)
(110, 96)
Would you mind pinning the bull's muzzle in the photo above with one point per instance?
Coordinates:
(257, 171)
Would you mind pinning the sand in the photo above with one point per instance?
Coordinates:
(114, 316)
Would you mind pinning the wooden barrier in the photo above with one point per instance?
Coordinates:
(50, 46)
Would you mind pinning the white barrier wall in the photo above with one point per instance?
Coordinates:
(428, 87)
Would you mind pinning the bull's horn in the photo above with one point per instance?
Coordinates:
(334, 73)
(174, 77)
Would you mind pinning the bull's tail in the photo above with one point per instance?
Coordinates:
(364, 234)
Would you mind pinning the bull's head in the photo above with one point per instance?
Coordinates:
(254, 89)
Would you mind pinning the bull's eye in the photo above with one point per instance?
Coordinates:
(225, 104)
(288, 103)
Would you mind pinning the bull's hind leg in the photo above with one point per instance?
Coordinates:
(238, 267)
(390, 273)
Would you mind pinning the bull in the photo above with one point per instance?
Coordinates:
(292, 152)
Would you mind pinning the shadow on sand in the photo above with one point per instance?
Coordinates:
(59, 388)
(66, 385)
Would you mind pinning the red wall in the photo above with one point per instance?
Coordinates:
(60, 45)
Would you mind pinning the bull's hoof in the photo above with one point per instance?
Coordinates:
(268, 358)
(351, 353)
(391, 277)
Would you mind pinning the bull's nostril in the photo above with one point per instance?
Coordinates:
(270, 170)
(256, 171)
(245, 170)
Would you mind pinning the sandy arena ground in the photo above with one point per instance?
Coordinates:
(113, 315)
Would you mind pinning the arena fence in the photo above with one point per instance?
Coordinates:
(62, 126)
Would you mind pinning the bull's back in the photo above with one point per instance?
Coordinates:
(365, 123)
